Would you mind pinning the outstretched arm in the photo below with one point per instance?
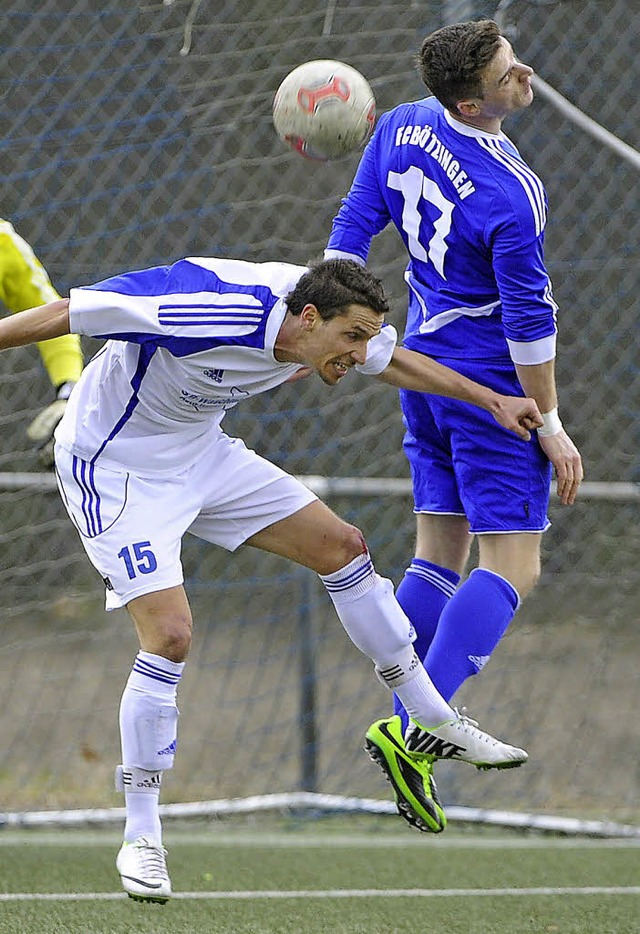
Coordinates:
(410, 370)
(35, 324)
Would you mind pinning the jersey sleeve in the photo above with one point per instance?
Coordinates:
(528, 307)
(182, 307)
(364, 212)
(112, 315)
(379, 351)
(124, 307)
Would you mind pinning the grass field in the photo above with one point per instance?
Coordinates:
(329, 876)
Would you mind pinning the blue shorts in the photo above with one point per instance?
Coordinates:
(464, 463)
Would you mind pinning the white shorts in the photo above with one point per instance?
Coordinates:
(132, 526)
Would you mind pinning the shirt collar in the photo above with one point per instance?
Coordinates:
(465, 130)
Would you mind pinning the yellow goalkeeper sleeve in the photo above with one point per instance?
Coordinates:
(24, 283)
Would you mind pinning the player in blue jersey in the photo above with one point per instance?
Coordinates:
(141, 459)
(472, 215)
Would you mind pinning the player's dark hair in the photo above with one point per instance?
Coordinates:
(451, 60)
(333, 284)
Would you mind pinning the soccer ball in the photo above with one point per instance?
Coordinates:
(324, 110)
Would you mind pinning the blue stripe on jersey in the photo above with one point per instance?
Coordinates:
(220, 317)
(147, 351)
(185, 346)
(187, 278)
(184, 278)
(529, 180)
(241, 313)
(141, 282)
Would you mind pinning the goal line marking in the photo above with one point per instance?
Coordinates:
(330, 893)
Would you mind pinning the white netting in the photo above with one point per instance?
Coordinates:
(119, 152)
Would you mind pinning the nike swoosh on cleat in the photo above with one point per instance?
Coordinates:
(385, 730)
(148, 885)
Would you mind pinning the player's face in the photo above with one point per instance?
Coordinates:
(506, 84)
(332, 347)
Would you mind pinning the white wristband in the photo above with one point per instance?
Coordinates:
(551, 424)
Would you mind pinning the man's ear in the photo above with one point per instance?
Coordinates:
(308, 316)
(469, 108)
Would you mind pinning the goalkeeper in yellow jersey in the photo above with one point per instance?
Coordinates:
(25, 283)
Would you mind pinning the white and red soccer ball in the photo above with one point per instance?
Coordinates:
(324, 109)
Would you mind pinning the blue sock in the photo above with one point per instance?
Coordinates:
(470, 627)
(423, 593)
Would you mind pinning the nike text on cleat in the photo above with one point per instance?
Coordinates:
(143, 869)
(462, 739)
(412, 781)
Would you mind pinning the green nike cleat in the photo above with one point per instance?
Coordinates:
(412, 781)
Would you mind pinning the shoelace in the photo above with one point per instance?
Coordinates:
(473, 727)
(469, 725)
(153, 859)
(462, 714)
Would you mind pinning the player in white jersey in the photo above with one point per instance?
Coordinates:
(24, 282)
(472, 215)
(141, 459)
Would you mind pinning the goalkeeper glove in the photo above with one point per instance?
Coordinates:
(45, 423)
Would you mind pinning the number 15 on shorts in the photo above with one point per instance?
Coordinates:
(138, 559)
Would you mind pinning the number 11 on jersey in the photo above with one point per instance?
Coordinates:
(414, 185)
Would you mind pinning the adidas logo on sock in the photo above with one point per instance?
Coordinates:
(478, 661)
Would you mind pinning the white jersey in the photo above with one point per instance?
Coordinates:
(184, 343)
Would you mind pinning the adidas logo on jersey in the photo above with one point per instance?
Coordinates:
(216, 375)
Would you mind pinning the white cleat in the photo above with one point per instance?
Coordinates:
(462, 739)
(143, 869)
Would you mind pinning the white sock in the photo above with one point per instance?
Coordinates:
(407, 678)
(148, 726)
(377, 625)
(141, 795)
(368, 610)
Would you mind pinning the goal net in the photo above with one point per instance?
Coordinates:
(134, 134)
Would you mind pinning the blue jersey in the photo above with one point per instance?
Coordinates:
(472, 216)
